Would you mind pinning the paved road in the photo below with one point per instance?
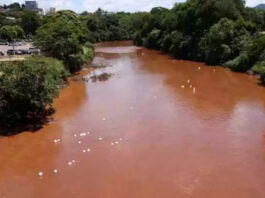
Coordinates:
(4, 48)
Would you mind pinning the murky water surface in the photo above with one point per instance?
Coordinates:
(158, 128)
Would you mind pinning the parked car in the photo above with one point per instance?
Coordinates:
(25, 51)
(2, 53)
(34, 50)
(14, 52)
(3, 43)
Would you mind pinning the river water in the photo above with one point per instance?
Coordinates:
(145, 133)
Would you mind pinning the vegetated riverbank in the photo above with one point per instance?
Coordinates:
(216, 32)
(26, 103)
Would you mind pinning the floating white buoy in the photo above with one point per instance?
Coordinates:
(188, 81)
(84, 151)
(190, 86)
(87, 133)
(199, 68)
(112, 144)
(55, 171)
(116, 142)
(79, 142)
(120, 139)
(55, 141)
(82, 134)
(182, 86)
(194, 90)
(40, 174)
(75, 135)
(73, 161)
(88, 150)
(58, 140)
(100, 138)
(104, 119)
(70, 163)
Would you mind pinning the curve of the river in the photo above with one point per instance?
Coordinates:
(158, 128)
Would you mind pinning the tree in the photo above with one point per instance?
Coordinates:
(63, 37)
(27, 88)
(30, 22)
(11, 33)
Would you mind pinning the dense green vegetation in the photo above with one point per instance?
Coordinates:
(28, 88)
(11, 33)
(16, 15)
(64, 37)
(219, 32)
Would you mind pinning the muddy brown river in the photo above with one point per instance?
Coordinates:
(158, 128)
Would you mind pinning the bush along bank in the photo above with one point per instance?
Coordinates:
(27, 91)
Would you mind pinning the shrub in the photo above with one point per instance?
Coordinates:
(28, 88)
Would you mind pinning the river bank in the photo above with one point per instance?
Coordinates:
(144, 132)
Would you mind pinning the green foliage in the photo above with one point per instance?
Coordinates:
(223, 41)
(104, 26)
(63, 37)
(27, 88)
(11, 33)
(250, 55)
(30, 22)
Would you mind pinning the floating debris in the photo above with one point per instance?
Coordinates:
(57, 140)
(194, 90)
(112, 144)
(104, 119)
(82, 134)
(79, 142)
(40, 174)
(100, 138)
(88, 150)
(188, 81)
(182, 86)
(199, 68)
(55, 171)
(190, 86)
(101, 77)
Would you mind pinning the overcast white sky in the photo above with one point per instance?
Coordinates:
(111, 5)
